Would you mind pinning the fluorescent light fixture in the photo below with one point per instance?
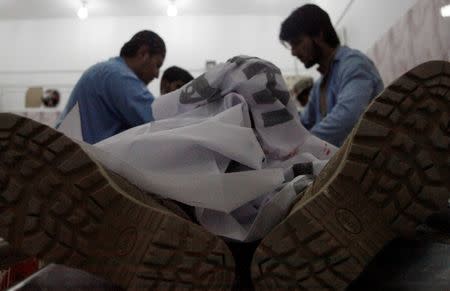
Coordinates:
(172, 10)
(83, 11)
(445, 10)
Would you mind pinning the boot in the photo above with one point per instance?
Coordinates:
(392, 172)
(59, 204)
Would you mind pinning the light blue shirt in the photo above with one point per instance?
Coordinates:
(111, 99)
(353, 82)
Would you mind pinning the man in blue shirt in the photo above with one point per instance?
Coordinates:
(349, 79)
(112, 96)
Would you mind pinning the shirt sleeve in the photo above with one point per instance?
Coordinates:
(131, 99)
(308, 117)
(355, 90)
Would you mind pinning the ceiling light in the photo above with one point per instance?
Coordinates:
(445, 10)
(83, 11)
(172, 9)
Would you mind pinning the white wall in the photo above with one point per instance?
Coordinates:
(55, 52)
(367, 20)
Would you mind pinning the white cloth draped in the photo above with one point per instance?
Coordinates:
(239, 111)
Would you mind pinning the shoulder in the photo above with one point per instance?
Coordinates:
(352, 59)
(117, 74)
(112, 67)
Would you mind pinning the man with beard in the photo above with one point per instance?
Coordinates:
(349, 79)
(112, 96)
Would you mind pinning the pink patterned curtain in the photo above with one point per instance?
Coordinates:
(419, 36)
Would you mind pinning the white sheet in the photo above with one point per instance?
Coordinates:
(240, 111)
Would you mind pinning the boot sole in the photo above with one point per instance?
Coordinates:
(60, 205)
(390, 175)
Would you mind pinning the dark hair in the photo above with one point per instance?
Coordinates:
(145, 37)
(174, 73)
(310, 20)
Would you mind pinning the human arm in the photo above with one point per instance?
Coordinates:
(131, 99)
(355, 89)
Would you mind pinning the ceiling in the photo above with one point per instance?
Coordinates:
(32, 9)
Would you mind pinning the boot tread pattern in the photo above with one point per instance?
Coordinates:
(393, 172)
(56, 204)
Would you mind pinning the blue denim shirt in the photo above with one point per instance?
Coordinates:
(111, 99)
(353, 82)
